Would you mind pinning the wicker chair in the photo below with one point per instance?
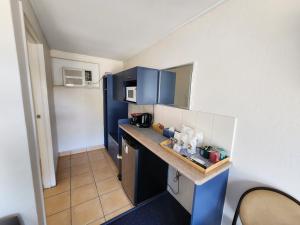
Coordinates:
(267, 206)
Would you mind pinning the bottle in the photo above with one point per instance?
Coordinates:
(193, 145)
(200, 138)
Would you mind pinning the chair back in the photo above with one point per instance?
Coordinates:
(267, 206)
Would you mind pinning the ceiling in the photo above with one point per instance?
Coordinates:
(117, 29)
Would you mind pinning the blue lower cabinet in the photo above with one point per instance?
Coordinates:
(209, 200)
(113, 149)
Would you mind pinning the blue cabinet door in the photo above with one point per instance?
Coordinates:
(119, 88)
(105, 112)
(113, 111)
(147, 86)
(113, 150)
(166, 93)
(130, 75)
(209, 200)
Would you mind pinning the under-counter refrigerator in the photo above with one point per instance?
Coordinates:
(144, 174)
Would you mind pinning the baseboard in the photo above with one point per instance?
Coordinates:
(92, 148)
(80, 150)
(64, 153)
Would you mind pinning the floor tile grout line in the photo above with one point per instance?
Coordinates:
(69, 175)
(104, 179)
(96, 220)
(57, 194)
(80, 186)
(97, 197)
(91, 172)
(118, 209)
(108, 193)
(80, 174)
(84, 202)
(119, 188)
(57, 212)
(96, 189)
(70, 187)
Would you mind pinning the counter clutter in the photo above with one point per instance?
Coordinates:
(188, 146)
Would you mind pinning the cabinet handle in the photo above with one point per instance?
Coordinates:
(126, 149)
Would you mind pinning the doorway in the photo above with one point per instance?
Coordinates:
(36, 62)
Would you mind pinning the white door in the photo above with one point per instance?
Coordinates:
(41, 108)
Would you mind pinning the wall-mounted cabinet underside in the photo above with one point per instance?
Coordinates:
(144, 79)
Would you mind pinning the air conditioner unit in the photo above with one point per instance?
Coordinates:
(74, 77)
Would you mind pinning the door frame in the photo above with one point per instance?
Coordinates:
(46, 156)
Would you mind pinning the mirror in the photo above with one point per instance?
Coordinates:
(175, 86)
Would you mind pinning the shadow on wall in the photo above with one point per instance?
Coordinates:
(235, 189)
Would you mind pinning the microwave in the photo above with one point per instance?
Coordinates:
(131, 94)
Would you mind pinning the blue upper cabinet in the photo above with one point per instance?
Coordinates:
(147, 86)
(119, 88)
(144, 79)
(166, 92)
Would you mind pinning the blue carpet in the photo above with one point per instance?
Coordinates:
(160, 210)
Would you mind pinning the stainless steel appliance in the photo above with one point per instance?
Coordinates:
(129, 168)
(144, 174)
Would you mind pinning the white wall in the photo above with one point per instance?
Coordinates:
(79, 111)
(59, 64)
(247, 57)
(20, 186)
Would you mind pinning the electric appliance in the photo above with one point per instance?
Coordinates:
(143, 120)
(144, 174)
(75, 77)
(131, 93)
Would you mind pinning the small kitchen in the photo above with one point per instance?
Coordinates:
(150, 112)
(165, 155)
(186, 155)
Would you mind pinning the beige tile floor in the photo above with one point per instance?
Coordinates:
(87, 192)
